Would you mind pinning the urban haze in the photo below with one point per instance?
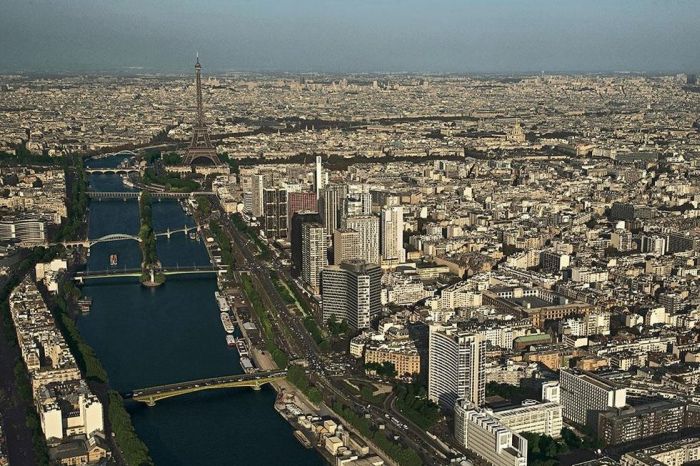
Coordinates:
(353, 233)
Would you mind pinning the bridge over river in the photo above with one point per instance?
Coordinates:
(126, 195)
(80, 277)
(124, 236)
(160, 392)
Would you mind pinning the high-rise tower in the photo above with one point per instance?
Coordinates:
(352, 291)
(200, 146)
(455, 366)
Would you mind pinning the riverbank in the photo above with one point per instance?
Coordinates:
(146, 337)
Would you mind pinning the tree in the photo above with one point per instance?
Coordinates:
(337, 327)
(570, 438)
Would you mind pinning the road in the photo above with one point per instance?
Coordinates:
(303, 345)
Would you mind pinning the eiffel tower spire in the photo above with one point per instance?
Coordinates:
(200, 146)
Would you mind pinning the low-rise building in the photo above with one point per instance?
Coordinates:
(488, 438)
(531, 416)
(668, 454)
(402, 354)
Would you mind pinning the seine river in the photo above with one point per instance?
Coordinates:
(173, 333)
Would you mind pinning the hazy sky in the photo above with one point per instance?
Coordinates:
(351, 35)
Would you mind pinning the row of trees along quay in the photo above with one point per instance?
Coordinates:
(151, 276)
(424, 413)
(279, 356)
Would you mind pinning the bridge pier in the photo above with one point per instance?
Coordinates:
(150, 402)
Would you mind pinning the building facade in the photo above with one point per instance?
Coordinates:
(346, 245)
(538, 418)
(456, 366)
(275, 213)
(314, 250)
(488, 438)
(584, 396)
(331, 204)
(393, 252)
(299, 202)
(298, 221)
(368, 228)
(352, 292)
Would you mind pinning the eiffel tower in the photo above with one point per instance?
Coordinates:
(200, 146)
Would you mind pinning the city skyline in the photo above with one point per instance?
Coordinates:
(357, 234)
(333, 37)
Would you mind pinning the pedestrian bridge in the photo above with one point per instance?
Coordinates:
(160, 392)
(123, 236)
(102, 239)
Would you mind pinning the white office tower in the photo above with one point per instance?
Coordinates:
(368, 228)
(330, 206)
(583, 396)
(319, 181)
(352, 292)
(551, 391)
(257, 184)
(455, 366)
(488, 438)
(393, 252)
(313, 257)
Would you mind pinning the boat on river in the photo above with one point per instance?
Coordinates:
(113, 260)
(241, 346)
(226, 322)
(221, 302)
(230, 340)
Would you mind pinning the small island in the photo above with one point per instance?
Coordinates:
(151, 275)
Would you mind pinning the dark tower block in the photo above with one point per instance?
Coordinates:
(200, 147)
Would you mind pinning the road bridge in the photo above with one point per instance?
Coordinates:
(111, 171)
(255, 380)
(136, 194)
(81, 276)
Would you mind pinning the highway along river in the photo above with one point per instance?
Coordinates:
(151, 336)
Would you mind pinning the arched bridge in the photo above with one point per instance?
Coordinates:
(115, 171)
(101, 239)
(123, 236)
(255, 380)
(114, 237)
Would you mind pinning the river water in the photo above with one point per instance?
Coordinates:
(150, 336)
